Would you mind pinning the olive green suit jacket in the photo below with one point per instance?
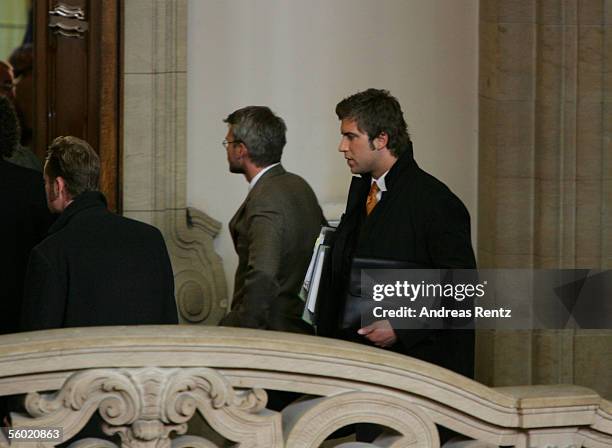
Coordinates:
(274, 232)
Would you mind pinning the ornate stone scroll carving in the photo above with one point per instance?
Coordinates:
(145, 406)
(109, 369)
(307, 423)
(200, 281)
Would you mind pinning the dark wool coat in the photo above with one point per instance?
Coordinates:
(98, 268)
(420, 221)
(23, 224)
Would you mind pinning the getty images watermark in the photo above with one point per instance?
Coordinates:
(513, 299)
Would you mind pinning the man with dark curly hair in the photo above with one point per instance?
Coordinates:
(21, 155)
(24, 222)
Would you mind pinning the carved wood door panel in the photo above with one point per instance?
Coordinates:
(77, 53)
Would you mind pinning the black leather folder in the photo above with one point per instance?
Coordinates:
(355, 304)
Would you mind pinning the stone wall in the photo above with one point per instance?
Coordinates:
(545, 178)
(154, 171)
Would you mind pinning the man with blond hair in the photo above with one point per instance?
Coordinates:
(94, 267)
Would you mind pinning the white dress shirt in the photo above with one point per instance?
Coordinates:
(261, 173)
(382, 186)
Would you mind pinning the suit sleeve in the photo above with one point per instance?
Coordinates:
(44, 296)
(261, 284)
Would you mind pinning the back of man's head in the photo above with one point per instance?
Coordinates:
(261, 131)
(376, 111)
(76, 162)
(9, 128)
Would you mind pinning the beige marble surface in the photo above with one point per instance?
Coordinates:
(544, 172)
(349, 375)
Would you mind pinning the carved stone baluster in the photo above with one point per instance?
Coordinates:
(307, 424)
(237, 416)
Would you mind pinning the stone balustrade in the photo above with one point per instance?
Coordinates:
(148, 382)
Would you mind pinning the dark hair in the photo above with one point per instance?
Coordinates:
(262, 132)
(376, 111)
(75, 161)
(9, 128)
(21, 60)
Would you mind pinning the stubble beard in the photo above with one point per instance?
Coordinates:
(236, 169)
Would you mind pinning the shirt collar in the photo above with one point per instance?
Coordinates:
(261, 173)
(382, 186)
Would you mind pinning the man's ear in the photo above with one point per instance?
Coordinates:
(381, 140)
(243, 151)
(61, 186)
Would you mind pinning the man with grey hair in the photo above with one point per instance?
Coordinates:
(94, 267)
(275, 228)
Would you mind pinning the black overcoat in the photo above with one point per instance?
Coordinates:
(23, 224)
(420, 221)
(98, 268)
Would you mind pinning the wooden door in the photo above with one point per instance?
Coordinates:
(77, 78)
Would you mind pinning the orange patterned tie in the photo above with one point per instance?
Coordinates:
(372, 199)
